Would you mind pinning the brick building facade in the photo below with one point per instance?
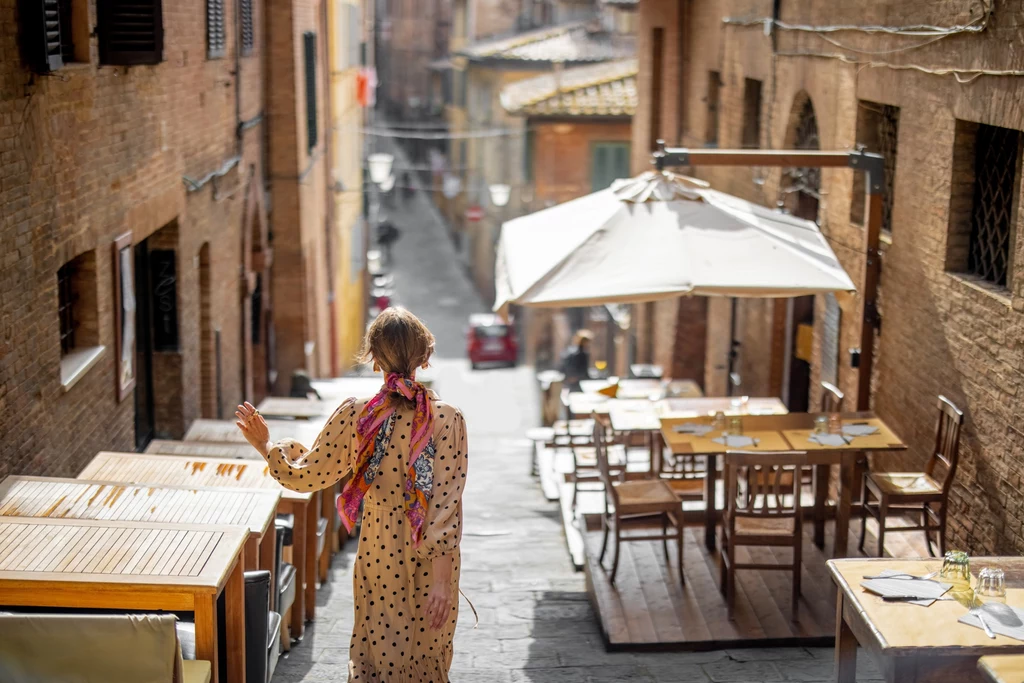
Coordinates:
(713, 74)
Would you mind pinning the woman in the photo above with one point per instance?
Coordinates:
(407, 453)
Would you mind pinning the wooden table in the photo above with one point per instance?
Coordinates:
(207, 449)
(709, 405)
(223, 431)
(1002, 668)
(101, 564)
(298, 408)
(914, 644)
(79, 499)
(162, 470)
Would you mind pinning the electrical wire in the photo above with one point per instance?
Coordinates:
(468, 135)
(962, 75)
(910, 30)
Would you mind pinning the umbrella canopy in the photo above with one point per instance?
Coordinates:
(659, 236)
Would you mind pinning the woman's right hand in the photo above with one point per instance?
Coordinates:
(254, 428)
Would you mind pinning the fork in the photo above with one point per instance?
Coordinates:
(926, 577)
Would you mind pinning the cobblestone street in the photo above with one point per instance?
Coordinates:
(535, 621)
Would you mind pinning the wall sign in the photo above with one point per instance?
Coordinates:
(163, 271)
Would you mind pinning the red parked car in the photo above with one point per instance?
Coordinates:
(491, 340)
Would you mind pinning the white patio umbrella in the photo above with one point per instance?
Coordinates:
(659, 236)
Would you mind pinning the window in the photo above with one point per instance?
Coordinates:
(78, 317)
(248, 31)
(131, 31)
(528, 142)
(878, 127)
(657, 62)
(609, 161)
(355, 36)
(711, 128)
(751, 134)
(986, 179)
(54, 33)
(309, 45)
(460, 87)
(66, 307)
(215, 38)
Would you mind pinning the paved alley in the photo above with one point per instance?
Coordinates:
(535, 621)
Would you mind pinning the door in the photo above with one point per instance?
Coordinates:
(609, 161)
(145, 414)
(802, 326)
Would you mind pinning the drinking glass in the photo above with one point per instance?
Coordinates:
(991, 585)
(718, 422)
(835, 425)
(821, 424)
(956, 568)
(735, 426)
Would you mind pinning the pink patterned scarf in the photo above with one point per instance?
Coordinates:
(374, 429)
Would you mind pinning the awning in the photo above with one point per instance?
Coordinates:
(660, 236)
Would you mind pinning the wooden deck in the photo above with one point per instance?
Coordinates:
(649, 609)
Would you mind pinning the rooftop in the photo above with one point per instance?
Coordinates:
(569, 43)
(605, 89)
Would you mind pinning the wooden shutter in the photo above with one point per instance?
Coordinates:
(131, 32)
(215, 35)
(309, 43)
(41, 24)
(248, 33)
(355, 36)
(599, 168)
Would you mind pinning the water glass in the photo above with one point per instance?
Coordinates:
(835, 425)
(991, 585)
(821, 424)
(956, 568)
(718, 422)
(735, 426)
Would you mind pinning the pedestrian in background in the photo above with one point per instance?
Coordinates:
(407, 456)
(387, 235)
(576, 360)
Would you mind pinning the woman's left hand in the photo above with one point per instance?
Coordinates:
(439, 605)
(254, 427)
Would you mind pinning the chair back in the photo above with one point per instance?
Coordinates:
(759, 483)
(831, 398)
(552, 407)
(947, 443)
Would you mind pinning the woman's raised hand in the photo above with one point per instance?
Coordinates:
(254, 427)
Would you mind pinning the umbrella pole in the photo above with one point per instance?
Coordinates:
(733, 344)
(871, 318)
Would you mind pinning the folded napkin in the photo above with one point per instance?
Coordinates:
(736, 441)
(998, 627)
(829, 439)
(896, 587)
(859, 430)
(692, 428)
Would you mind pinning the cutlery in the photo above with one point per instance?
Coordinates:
(977, 613)
(911, 598)
(926, 577)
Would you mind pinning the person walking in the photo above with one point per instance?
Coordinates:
(576, 360)
(406, 452)
(387, 235)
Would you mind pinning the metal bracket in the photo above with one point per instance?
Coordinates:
(663, 158)
(872, 164)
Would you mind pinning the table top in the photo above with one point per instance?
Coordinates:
(205, 449)
(226, 431)
(709, 405)
(162, 470)
(79, 499)
(131, 556)
(903, 630)
(1003, 668)
(883, 440)
(302, 408)
(703, 445)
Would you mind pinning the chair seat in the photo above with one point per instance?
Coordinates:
(286, 588)
(903, 484)
(540, 434)
(688, 488)
(764, 526)
(284, 525)
(321, 536)
(643, 495)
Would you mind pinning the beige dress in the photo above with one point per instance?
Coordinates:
(391, 580)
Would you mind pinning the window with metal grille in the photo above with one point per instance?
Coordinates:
(309, 46)
(878, 127)
(751, 134)
(711, 125)
(215, 32)
(248, 36)
(131, 32)
(66, 307)
(996, 179)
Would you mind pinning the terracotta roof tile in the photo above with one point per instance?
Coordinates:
(606, 89)
(567, 43)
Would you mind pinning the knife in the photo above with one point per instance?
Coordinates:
(910, 598)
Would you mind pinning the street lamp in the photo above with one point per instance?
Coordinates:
(380, 167)
(500, 194)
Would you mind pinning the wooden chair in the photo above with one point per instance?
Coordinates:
(631, 502)
(917, 491)
(762, 509)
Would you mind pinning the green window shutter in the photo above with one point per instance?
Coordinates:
(599, 167)
(309, 45)
(621, 162)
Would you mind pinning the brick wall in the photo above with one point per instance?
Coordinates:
(562, 157)
(942, 333)
(87, 154)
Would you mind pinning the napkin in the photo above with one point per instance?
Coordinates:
(859, 430)
(698, 429)
(905, 586)
(998, 627)
(736, 441)
(829, 439)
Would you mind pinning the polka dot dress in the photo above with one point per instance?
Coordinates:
(391, 640)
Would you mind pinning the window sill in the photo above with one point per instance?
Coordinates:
(74, 365)
(999, 294)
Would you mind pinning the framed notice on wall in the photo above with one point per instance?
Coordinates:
(124, 316)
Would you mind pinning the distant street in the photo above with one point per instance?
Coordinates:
(535, 620)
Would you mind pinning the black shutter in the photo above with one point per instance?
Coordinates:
(41, 34)
(247, 28)
(309, 43)
(131, 32)
(215, 39)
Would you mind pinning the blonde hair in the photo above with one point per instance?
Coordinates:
(580, 335)
(397, 341)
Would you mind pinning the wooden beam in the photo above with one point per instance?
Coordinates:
(872, 268)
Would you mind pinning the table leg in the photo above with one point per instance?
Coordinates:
(710, 500)
(206, 632)
(846, 646)
(821, 476)
(252, 553)
(657, 448)
(234, 624)
(845, 500)
(299, 560)
(268, 547)
(312, 511)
